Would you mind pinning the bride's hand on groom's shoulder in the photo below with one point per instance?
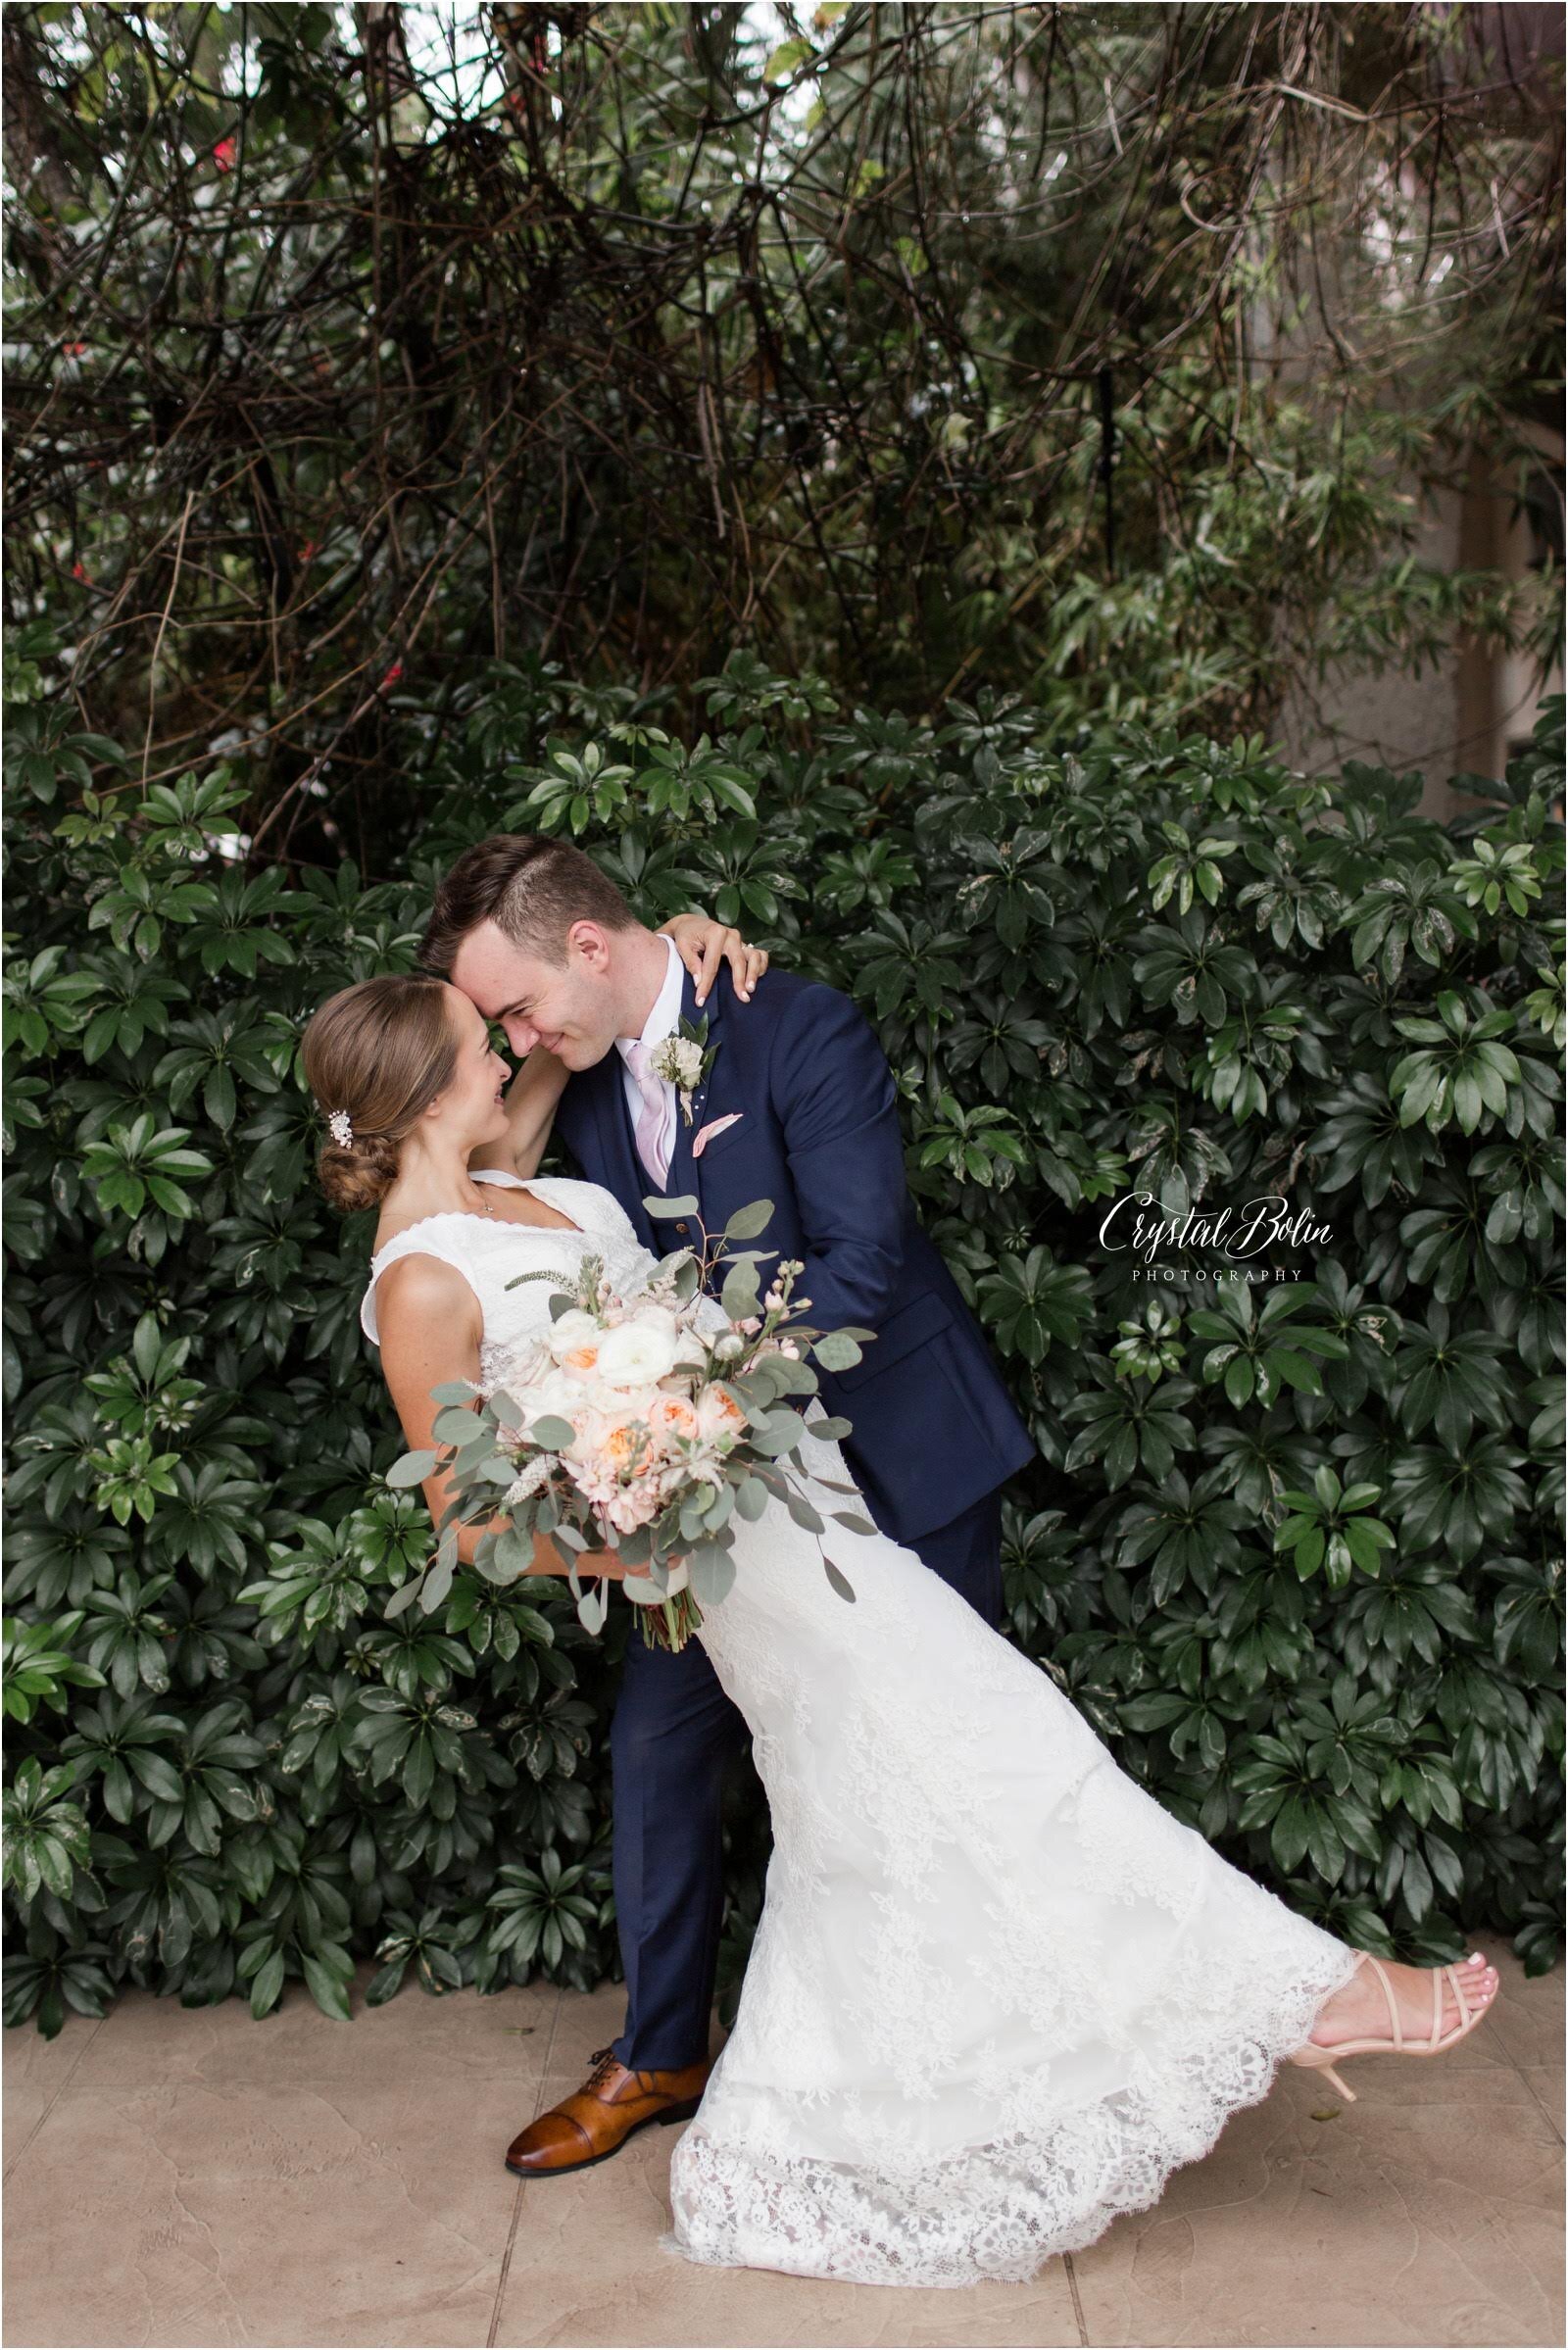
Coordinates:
(703, 944)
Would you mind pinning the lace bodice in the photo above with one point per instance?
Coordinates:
(489, 1252)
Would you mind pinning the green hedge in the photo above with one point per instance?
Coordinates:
(1292, 1548)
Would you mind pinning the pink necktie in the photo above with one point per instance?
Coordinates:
(651, 1118)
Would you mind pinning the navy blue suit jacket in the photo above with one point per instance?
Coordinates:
(934, 1426)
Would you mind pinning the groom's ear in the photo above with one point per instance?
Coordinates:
(589, 940)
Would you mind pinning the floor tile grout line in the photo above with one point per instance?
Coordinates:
(54, 2100)
(1520, 2064)
(1524, 2071)
(1077, 2299)
(517, 2200)
(1553, 2120)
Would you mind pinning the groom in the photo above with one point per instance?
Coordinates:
(798, 1107)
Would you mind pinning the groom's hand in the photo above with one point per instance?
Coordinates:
(703, 944)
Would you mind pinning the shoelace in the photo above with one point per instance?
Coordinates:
(604, 2061)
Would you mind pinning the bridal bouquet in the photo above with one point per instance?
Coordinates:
(628, 1425)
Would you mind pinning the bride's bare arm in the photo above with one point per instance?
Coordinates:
(431, 1327)
(531, 1096)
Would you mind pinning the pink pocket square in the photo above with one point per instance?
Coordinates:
(714, 1126)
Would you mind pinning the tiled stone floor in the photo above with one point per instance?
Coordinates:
(178, 2177)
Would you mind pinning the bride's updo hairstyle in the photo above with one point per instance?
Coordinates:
(380, 1052)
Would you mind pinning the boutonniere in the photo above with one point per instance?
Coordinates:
(683, 1061)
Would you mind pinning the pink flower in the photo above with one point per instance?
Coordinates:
(675, 1415)
(719, 1417)
(632, 1508)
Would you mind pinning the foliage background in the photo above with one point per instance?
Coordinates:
(637, 426)
(1295, 1552)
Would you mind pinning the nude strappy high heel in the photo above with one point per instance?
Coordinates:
(1324, 2060)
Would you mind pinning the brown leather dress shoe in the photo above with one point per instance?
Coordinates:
(596, 2121)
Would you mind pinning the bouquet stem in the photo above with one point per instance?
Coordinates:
(671, 1623)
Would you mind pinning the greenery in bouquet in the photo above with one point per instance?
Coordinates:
(630, 1425)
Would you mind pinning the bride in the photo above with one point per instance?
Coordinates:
(997, 1992)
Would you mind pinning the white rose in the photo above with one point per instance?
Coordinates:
(558, 1391)
(638, 1353)
(573, 1329)
(631, 1402)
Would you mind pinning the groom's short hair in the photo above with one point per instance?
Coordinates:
(532, 889)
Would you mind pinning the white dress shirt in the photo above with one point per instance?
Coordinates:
(662, 1021)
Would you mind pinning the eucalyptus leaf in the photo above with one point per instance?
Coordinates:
(593, 1605)
(840, 1581)
(437, 1584)
(645, 1591)
(514, 1553)
(739, 1295)
(802, 1511)
(455, 1424)
(711, 1576)
(411, 1469)
(552, 1433)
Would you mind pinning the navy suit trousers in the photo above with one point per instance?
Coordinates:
(673, 1733)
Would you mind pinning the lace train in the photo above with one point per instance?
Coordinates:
(992, 2213)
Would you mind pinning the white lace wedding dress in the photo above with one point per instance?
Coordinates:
(997, 1992)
